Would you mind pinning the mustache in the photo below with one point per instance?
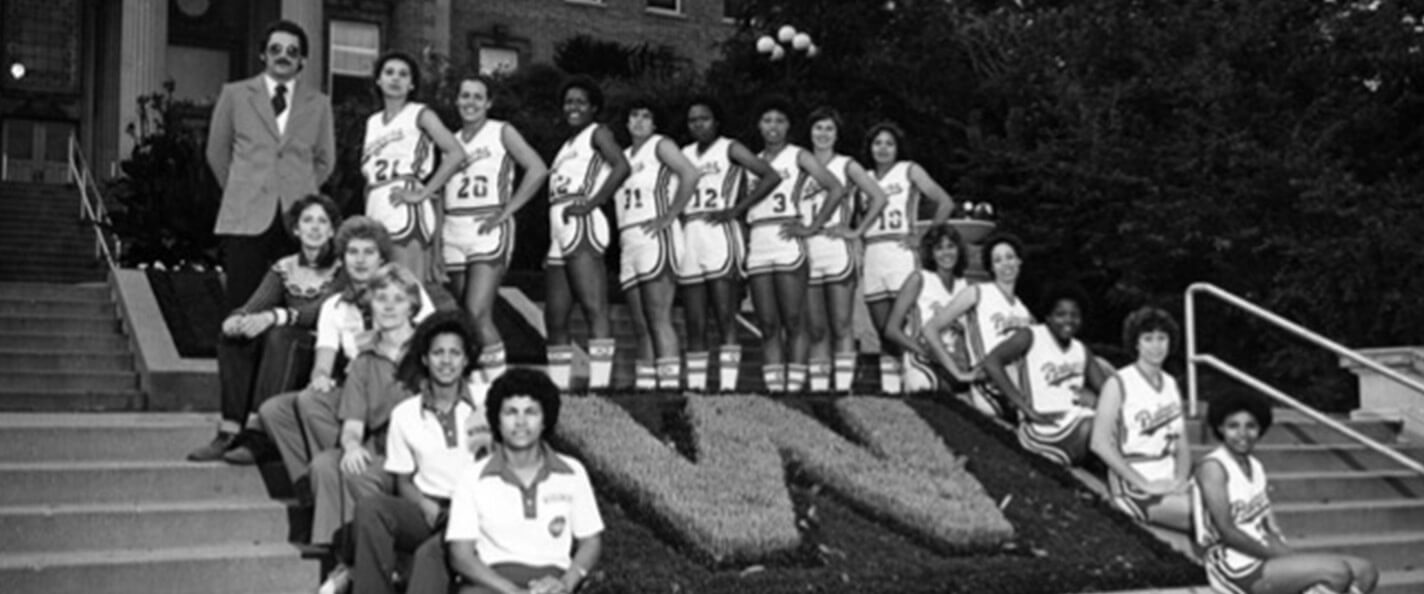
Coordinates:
(284, 61)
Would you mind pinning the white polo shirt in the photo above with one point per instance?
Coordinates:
(340, 323)
(532, 526)
(438, 449)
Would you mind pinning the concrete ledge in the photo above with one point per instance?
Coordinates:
(171, 382)
(1382, 397)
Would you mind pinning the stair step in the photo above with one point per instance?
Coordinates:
(110, 340)
(42, 437)
(1326, 486)
(238, 568)
(55, 292)
(64, 361)
(59, 324)
(1401, 582)
(50, 276)
(1308, 432)
(1388, 551)
(74, 527)
(1349, 517)
(66, 380)
(72, 400)
(1296, 458)
(75, 307)
(128, 481)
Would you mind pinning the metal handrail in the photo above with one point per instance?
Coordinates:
(1194, 358)
(91, 206)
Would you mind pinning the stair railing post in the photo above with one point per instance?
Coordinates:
(1191, 333)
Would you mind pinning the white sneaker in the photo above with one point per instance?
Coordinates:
(337, 582)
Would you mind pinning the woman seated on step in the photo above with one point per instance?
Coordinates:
(260, 350)
(304, 424)
(1245, 551)
(1140, 433)
(433, 440)
(545, 545)
(1060, 379)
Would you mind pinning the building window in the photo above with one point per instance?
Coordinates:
(353, 52)
(670, 6)
(498, 60)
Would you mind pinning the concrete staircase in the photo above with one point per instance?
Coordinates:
(1331, 494)
(105, 503)
(61, 349)
(41, 237)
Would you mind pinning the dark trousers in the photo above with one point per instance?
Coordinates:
(386, 526)
(519, 574)
(246, 258)
(251, 370)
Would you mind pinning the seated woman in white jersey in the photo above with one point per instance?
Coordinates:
(480, 204)
(586, 173)
(1057, 392)
(830, 294)
(713, 240)
(398, 162)
(890, 240)
(776, 250)
(990, 312)
(940, 278)
(1140, 433)
(650, 238)
(1245, 550)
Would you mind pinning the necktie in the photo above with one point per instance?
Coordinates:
(279, 100)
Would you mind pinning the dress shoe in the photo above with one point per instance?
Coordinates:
(214, 450)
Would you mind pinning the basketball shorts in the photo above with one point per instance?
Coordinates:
(1231, 572)
(645, 257)
(768, 251)
(830, 259)
(887, 264)
(566, 237)
(710, 250)
(403, 221)
(463, 244)
(1057, 441)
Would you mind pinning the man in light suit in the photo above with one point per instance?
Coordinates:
(270, 143)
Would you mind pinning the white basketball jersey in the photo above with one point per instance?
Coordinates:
(993, 319)
(397, 148)
(1051, 375)
(934, 296)
(721, 181)
(1150, 425)
(901, 198)
(648, 191)
(484, 181)
(781, 204)
(1250, 506)
(813, 197)
(578, 169)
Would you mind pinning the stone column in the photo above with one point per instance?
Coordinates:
(144, 41)
(308, 14)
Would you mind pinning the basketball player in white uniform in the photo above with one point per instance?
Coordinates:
(480, 204)
(1140, 433)
(830, 294)
(398, 159)
(713, 240)
(991, 312)
(1245, 551)
(890, 241)
(586, 173)
(649, 203)
(941, 276)
(776, 251)
(1056, 395)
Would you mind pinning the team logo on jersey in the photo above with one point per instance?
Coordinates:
(1250, 511)
(1004, 324)
(1150, 422)
(710, 168)
(894, 188)
(375, 146)
(557, 525)
(478, 154)
(638, 167)
(1055, 374)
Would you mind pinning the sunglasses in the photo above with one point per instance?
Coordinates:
(292, 51)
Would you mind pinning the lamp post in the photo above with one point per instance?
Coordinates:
(786, 43)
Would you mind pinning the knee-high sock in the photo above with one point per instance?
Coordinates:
(845, 371)
(697, 371)
(600, 362)
(795, 377)
(492, 361)
(647, 378)
(561, 361)
(820, 375)
(669, 373)
(729, 361)
(889, 374)
(774, 374)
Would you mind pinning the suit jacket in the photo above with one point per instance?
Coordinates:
(257, 166)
